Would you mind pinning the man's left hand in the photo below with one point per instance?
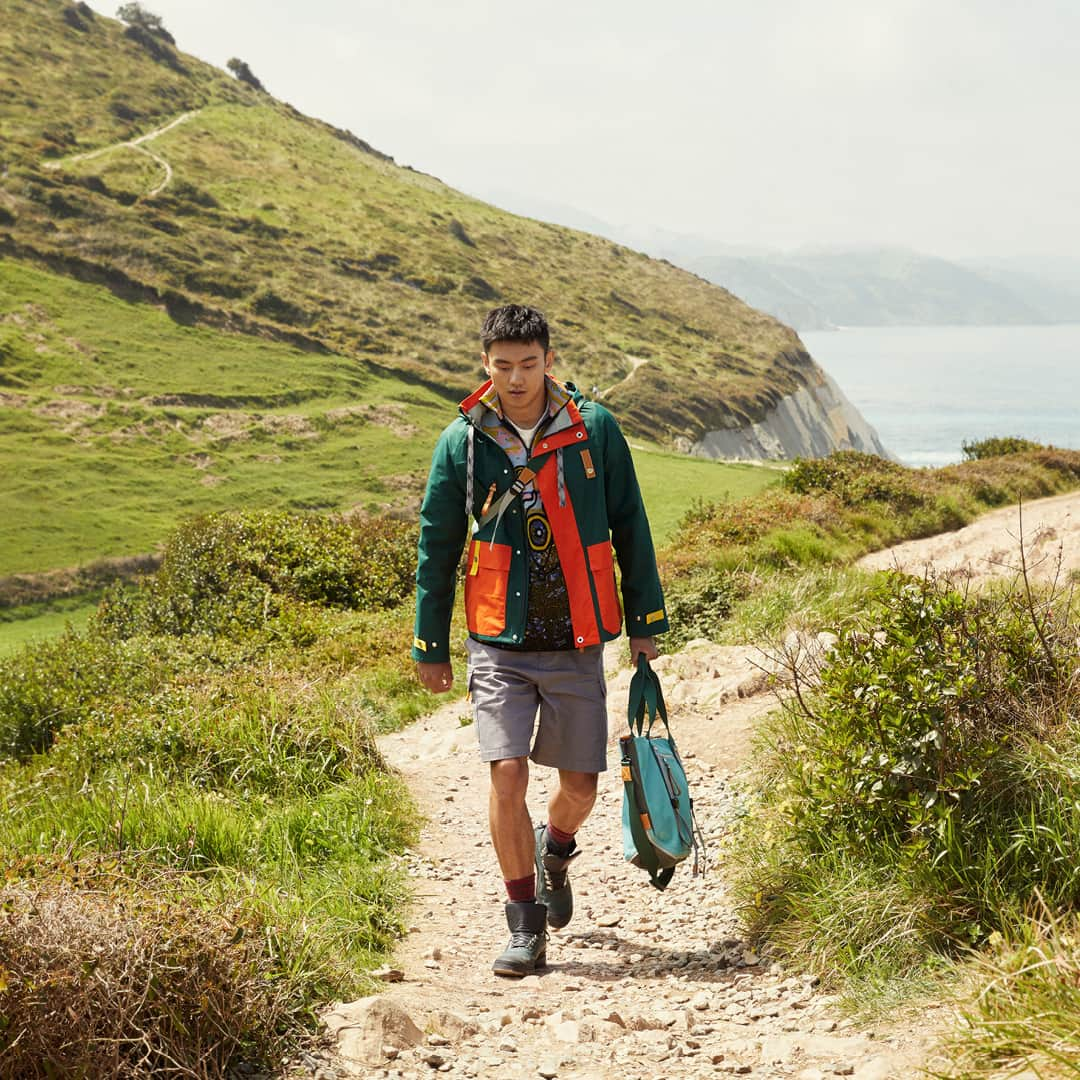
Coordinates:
(646, 645)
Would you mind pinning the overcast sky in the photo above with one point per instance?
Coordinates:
(948, 127)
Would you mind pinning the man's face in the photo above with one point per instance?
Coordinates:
(517, 370)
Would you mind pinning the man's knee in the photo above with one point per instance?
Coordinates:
(510, 778)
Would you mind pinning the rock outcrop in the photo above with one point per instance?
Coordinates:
(812, 422)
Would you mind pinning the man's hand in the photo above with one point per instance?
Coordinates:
(438, 678)
(646, 645)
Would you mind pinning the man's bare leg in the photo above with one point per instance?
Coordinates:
(508, 816)
(514, 840)
(572, 801)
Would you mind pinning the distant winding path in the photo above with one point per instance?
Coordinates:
(134, 144)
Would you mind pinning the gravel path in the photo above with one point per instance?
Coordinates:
(641, 984)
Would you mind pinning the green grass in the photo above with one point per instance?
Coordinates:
(672, 483)
(32, 623)
(108, 462)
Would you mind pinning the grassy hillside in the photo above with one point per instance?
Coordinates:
(118, 421)
(279, 225)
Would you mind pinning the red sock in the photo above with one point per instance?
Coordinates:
(521, 890)
(560, 842)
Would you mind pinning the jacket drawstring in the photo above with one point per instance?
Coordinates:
(469, 454)
(562, 476)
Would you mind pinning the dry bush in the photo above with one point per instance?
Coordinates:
(102, 981)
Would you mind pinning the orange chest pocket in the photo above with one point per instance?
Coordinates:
(486, 582)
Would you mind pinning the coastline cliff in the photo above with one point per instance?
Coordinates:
(811, 422)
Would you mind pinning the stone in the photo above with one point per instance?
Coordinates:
(435, 1059)
(882, 1068)
(450, 1026)
(701, 1001)
(389, 974)
(362, 1028)
(549, 1068)
(777, 1050)
(656, 1040)
(591, 1030)
(568, 1031)
(810, 1074)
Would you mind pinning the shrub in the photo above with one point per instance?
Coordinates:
(112, 981)
(244, 73)
(135, 15)
(923, 746)
(699, 604)
(230, 573)
(999, 446)
(856, 478)
(67, 681)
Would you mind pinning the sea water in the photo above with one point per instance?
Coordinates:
(928, 389)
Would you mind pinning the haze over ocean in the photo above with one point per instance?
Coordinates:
(927, 389)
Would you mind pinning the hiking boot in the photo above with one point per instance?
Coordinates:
(552, 884)
(527, 950)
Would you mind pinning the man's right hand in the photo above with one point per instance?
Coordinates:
(438, 678)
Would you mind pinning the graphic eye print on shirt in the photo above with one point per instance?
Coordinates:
(537, 526)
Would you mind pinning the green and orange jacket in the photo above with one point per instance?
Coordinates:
(592, 501)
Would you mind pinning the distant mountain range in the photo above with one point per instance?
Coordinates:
(817, 289)
(890, 287)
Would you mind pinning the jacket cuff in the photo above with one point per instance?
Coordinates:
(425, 651)
(646, 623)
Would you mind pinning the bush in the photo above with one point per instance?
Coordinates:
(698, 605)
(135, 15)
(244, 73)
(67, 681)
(856, 478)
(980, 449)
(112, 981)
(923, 749)
(231, 573)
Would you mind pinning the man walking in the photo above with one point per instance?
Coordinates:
(547, 480)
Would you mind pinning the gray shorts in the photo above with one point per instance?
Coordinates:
(508, 686)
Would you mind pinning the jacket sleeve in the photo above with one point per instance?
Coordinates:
(643, 598)
(443, 530)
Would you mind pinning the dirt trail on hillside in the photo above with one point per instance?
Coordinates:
(135, 144)
(641, 984)
(990, 546)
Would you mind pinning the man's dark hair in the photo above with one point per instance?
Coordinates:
(514, 322)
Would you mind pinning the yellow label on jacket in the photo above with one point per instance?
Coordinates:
(421, 645)
(654, 616)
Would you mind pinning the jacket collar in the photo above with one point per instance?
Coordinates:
(484, 400)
